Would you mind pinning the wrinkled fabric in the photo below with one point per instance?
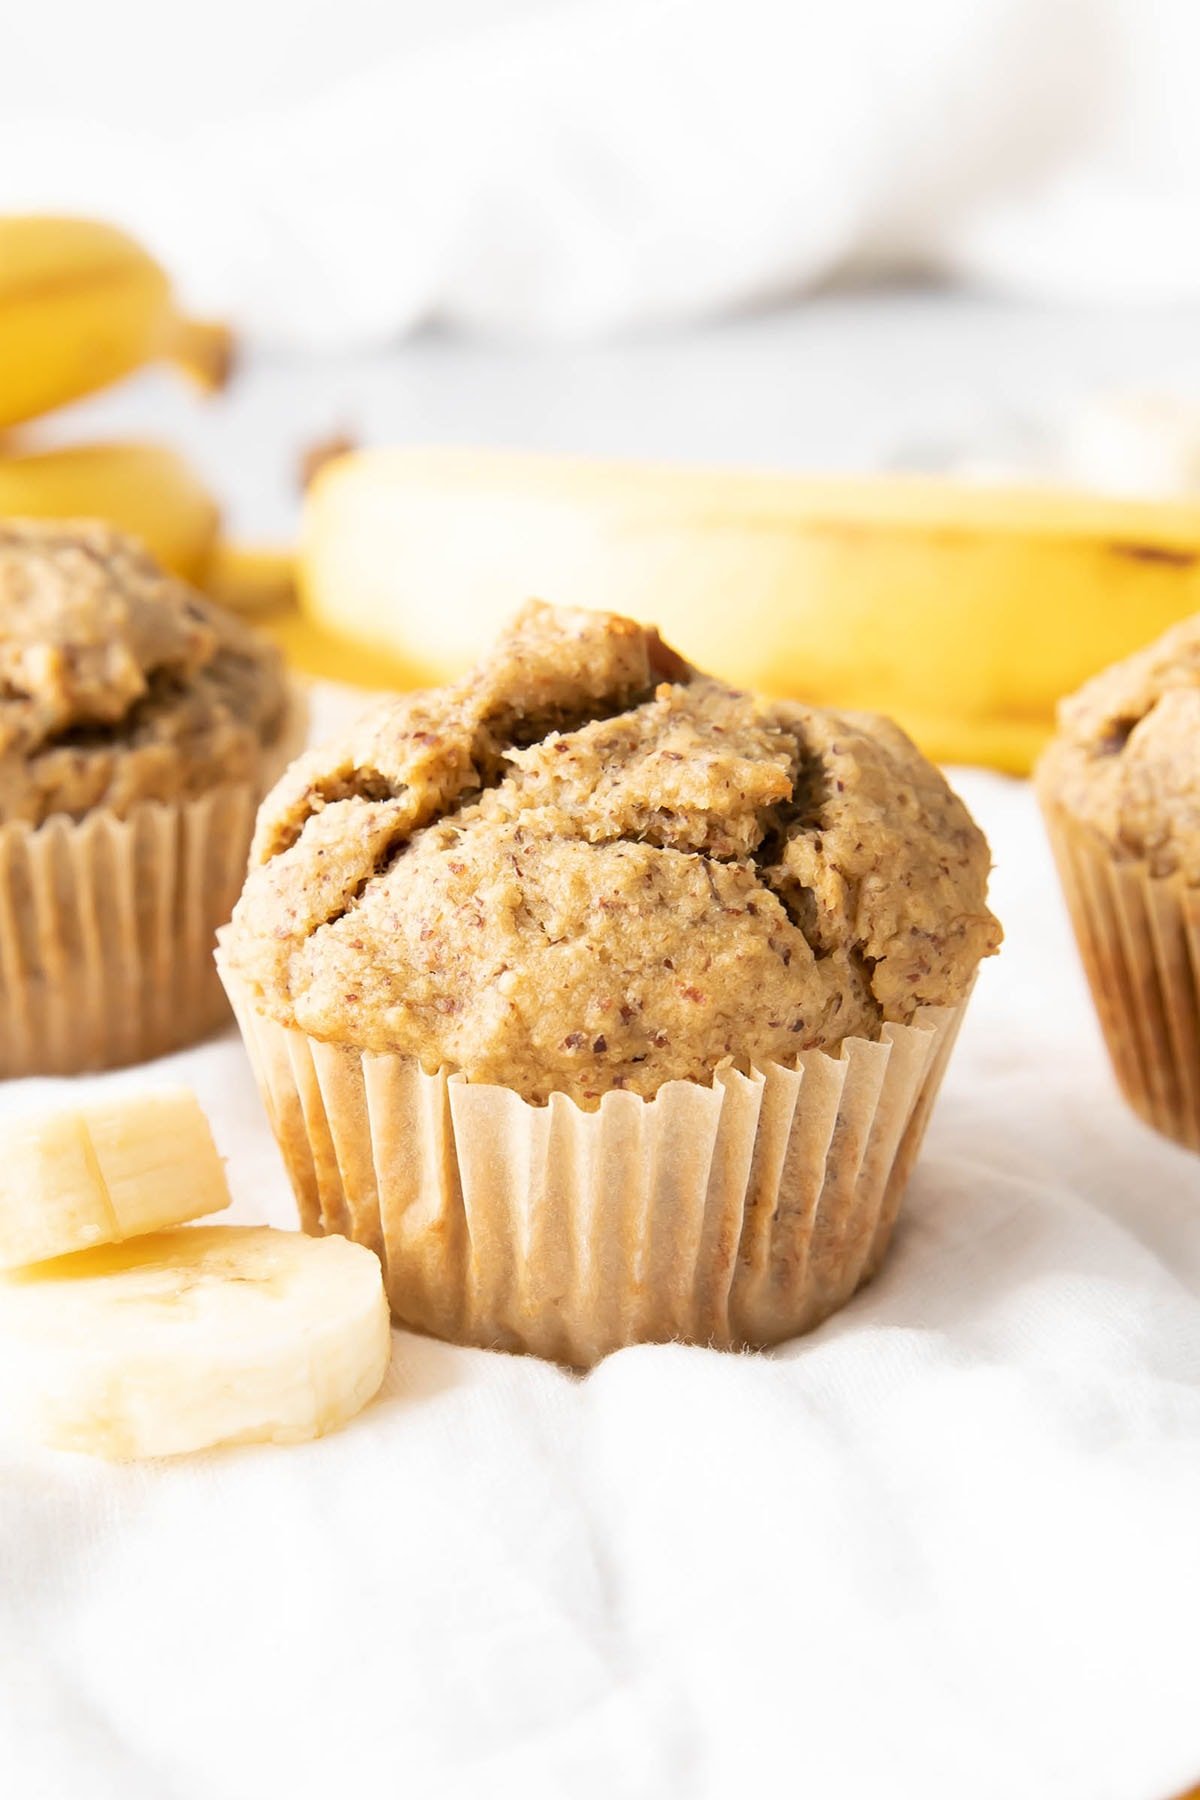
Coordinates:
(608, 165)
(946, 1545)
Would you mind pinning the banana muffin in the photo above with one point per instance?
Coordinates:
(139, 727)
(592, 883)
(1120, 791)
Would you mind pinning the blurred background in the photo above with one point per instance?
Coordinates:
(868, 240)
(768, 231)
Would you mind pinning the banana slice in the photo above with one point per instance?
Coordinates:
(211, 1334)
(105, 1173)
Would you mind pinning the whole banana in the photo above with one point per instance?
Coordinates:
(81, 305)
(964, 612)
(144, 489)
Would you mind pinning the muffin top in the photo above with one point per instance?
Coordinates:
(118, 684)
(587, 866)
(1127, 756)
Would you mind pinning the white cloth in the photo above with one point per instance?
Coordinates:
(946, 1546)
(609, 164)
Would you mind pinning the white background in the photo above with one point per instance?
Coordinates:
(142, 63)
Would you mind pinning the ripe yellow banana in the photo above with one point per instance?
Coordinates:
(81, 305)
(260, 581)
(964, 612)
(104, 1173)
(144, 489)
(312, 650)
(251, 578)
(210, 1334)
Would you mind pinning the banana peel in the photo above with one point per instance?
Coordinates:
(327, 656)
(82, 304)
(255, 579)
(963, 612)
(144, 489)
(259, 581)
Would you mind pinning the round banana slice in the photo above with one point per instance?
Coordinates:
(210, 1334)
(106, 1172)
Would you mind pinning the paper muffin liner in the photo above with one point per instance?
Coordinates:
(1139, 937)
(107, 925)
(736, 1214)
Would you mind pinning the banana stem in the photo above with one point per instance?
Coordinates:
(205, 351)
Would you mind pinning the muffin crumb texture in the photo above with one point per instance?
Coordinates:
(118, 684)
(1126, 760)
(589, 867)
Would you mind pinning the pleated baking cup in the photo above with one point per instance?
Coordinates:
(735, 1214)
(107, 925)
(1139, 938)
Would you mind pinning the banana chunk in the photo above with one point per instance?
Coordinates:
(211, 1334)
(105, 1173)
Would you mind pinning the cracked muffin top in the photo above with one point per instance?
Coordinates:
(588, 866)
(118, 684)
(1126, 760)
